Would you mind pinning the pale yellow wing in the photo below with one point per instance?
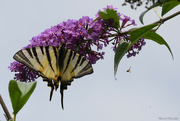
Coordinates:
(74, 66)
(42, 59)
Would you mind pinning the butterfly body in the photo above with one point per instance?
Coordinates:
(55, 65)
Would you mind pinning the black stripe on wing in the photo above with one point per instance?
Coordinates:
(74, 56)
(42, 51)
(20, 57)
(69, 59)
(61, 57)
(82, 61)
(29, 52)
(36, 56)
(55, 51)
(85, 71)
(48, 57)
(77, 63)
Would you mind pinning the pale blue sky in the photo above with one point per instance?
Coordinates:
(150, 91)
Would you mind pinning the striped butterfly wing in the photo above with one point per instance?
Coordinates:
(57, 64)
(73, 66)
(42, 59)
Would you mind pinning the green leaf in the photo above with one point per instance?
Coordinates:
(5, 117)
(110, 14)
(120, 52)
(157, 38)
(96, 19)
(140, 32)
(146, 33)
(103, 15)
(168, 6)
(113, 14)
(19, 93)
(123, 46)
(143, 13)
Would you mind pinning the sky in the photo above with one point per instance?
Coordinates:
(151, 92)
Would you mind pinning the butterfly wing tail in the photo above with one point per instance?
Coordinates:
(62, 88)
(61, 91)
(50, 84)
(51, 93)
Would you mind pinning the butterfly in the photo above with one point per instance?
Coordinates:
(56, 65)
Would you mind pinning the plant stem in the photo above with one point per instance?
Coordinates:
(167, 18)
(5, 108)
(14, 117)
(159, 21)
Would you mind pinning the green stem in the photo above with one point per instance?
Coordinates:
(161, 21)
(167, 18)
(14, 117)
(5, 108)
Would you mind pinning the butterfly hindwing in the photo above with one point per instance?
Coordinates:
(71, 65)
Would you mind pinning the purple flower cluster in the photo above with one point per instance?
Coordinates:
(79, 36)
(136, 48)
(137, 3)
(125, 22)
(24, 73)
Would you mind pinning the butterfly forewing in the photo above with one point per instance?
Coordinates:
(49, 63)
(42, 59)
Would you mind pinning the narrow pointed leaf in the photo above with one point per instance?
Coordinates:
(157, 38)
(19, 93)
(120, 52)
(169, 5)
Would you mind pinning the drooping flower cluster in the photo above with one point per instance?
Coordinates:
(136, 48)
(24, 73)
(136, 3)
(78, 35)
